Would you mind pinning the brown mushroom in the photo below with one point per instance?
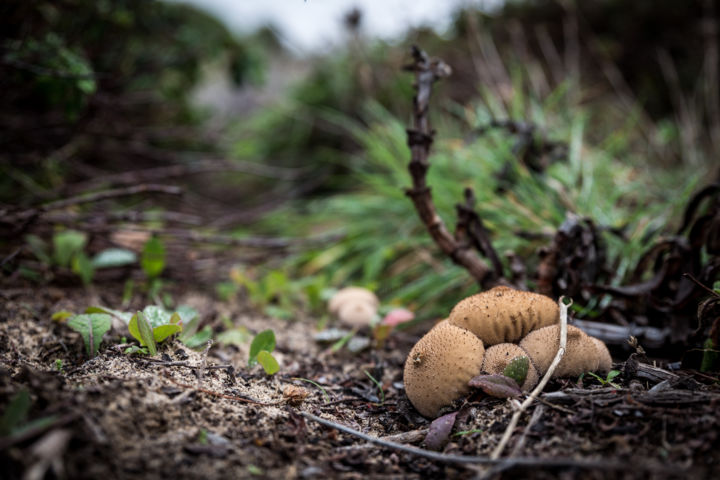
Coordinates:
(580, 356)
(352, 294)
(499, 356)
(439, 367)
(603, 355)
(503, 314)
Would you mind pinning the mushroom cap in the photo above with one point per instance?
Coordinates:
(580, 352)
(499, 356)
(439, 367)
(444, 321)
(503, 314)
(356, 313)
(352, 294)
(603, 355)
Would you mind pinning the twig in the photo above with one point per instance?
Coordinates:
(203, 361)
(539, 410)
(95, 197)
(536, 392)
(420, 138)
(479, 460)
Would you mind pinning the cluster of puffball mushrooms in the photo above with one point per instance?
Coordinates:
(511, 324)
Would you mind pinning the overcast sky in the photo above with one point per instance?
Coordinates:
(308, 25)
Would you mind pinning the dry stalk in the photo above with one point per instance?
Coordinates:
(536, 392)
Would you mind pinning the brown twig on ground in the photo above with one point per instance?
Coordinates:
(507, 463)
(420, 138)
(33, 213)
(534, 394)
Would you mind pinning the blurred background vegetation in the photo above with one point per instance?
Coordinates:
(601, 108)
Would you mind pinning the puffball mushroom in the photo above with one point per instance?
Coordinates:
(354, 306)
(439, 367)
(604, 358)
(581, 354)
(499, 356)
(503, 314)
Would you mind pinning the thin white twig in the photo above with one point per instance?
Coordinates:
(535, 393)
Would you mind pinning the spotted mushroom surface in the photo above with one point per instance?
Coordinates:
(439, 367)
(503, 314)
(581, 354)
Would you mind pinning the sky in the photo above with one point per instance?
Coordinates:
(316, 25)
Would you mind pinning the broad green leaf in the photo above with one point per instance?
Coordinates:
(157, 316)
(93, 324)
(153, 257)
(164, 331)
(142, 331)
(114, 257)
(268, 362)
(66, 244)
(124, 316)
(187, 313)
(517, 369)
(82, 265)
(38, 248)
(199, 339)
(264, 340)
(15, 413)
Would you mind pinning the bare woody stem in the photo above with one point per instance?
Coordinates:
(460, 248)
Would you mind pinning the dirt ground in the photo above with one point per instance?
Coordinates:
(129, 416)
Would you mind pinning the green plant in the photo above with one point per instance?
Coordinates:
(381, 391)
(608, 380)
(91, 327)
(58, 364)
(14, 420)
(261, 352)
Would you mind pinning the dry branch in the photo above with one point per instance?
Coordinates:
(470, 233)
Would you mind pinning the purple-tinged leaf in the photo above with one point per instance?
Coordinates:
(496, 385)
(439, 431)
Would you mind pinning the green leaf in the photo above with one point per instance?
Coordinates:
(264, 340)
(612, 374)
(153, 257)
(61, 316)
(124, 316)
(66, 244)
(517, 369)
(268, 362)
(16, 413)
(143, 332)
(38, 248)
(235, 336)
(199, 339)
(164, 331)
(93, 325)
(82, 265)
(187, 313)
(114, 257)
(157, 316)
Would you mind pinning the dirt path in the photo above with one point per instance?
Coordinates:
(121, 416)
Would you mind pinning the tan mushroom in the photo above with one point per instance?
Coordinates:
(603, 355)
(352, 294)
(499, 356)
(503, 314)
(356, 313)
(439, 367)
(580, 356)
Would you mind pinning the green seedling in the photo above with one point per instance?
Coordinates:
(14, 421)
(92, 327)
(154, 325)
(261, 352)
(608, 379)
(322, 389)
(59, 365)
(467, 432)
(381, 392)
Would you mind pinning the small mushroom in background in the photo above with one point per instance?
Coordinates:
(504, 315)
(354, 306)
(499, 356)
(582, 352)
(398, 316)
(439, 367)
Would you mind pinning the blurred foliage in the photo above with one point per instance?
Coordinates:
(86, 73)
